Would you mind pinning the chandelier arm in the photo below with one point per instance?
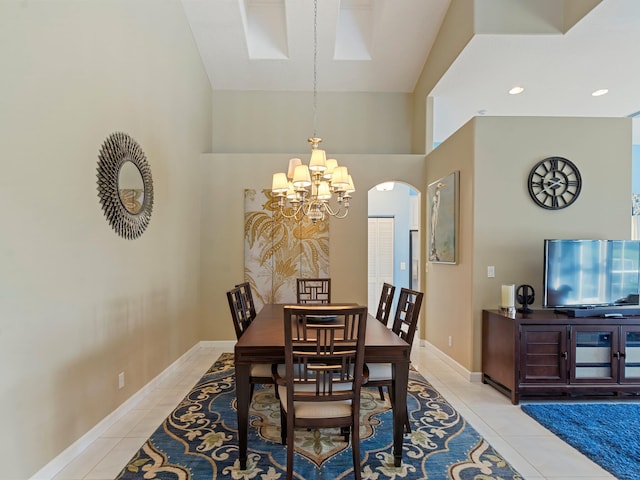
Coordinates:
(305, 209)
(295, 211)
(337, 213)
(331, 211)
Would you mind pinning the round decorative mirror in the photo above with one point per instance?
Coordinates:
(125, 186)
(131, 187)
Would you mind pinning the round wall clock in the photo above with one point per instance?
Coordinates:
(554, 183)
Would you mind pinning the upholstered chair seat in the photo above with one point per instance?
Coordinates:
(262, 370)
(379, 372)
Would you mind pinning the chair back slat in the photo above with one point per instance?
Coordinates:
(386, 302)
(313, 291)
(324, 359)
(407, 313)
(239, 311)
(248, 299)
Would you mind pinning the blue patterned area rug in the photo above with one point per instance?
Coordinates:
(198, 440)
(605, 432)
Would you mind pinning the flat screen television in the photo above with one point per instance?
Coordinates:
(591, 273)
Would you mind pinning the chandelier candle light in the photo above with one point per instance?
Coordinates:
(305, 190)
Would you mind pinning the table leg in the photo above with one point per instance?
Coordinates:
(243, 392)
(401, 379)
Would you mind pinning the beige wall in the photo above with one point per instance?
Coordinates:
(224, 178)
(575, 10)
(271, 122)
(449, 288)
(501, 226)
(78, 304)
(527, 17)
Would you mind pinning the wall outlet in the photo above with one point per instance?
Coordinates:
(450, 341)
(121, 380)
(491, 271)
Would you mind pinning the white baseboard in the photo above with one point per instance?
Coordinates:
(76, 448)
(473, 377)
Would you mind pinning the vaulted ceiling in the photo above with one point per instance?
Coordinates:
(382, 45)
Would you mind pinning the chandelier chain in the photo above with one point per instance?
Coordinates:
(305, 190)
(315, 67)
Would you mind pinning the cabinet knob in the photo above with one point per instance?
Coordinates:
(564, 355)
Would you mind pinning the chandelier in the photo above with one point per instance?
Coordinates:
(306, 190)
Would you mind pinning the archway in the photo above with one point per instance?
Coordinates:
(394, 238)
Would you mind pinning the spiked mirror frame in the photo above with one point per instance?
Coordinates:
(116, 150)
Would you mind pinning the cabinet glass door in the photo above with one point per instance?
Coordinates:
(594, 349)
(631, 354)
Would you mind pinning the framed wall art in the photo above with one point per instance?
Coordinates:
(442, 211)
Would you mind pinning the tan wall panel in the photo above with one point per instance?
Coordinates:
(79, 303)
(353, 122)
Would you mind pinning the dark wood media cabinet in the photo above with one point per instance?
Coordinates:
(545, 355)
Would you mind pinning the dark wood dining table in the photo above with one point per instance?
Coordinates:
(263, 342)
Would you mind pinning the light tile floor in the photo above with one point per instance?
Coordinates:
(532, 450)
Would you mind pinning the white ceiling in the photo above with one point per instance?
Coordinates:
(381, 46)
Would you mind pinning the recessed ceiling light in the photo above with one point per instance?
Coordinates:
(602, 91)
(516, 90)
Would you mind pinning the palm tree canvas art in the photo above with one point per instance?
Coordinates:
(278, 250)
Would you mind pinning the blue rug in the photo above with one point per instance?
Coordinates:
(605, 432)
(198, 440)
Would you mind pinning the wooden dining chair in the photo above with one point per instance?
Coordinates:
(260, 373)
(404, 325)
(245, 287)
(239, 311)
(313, 291)
(385, 303)
(323, 373)
(383, 312)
